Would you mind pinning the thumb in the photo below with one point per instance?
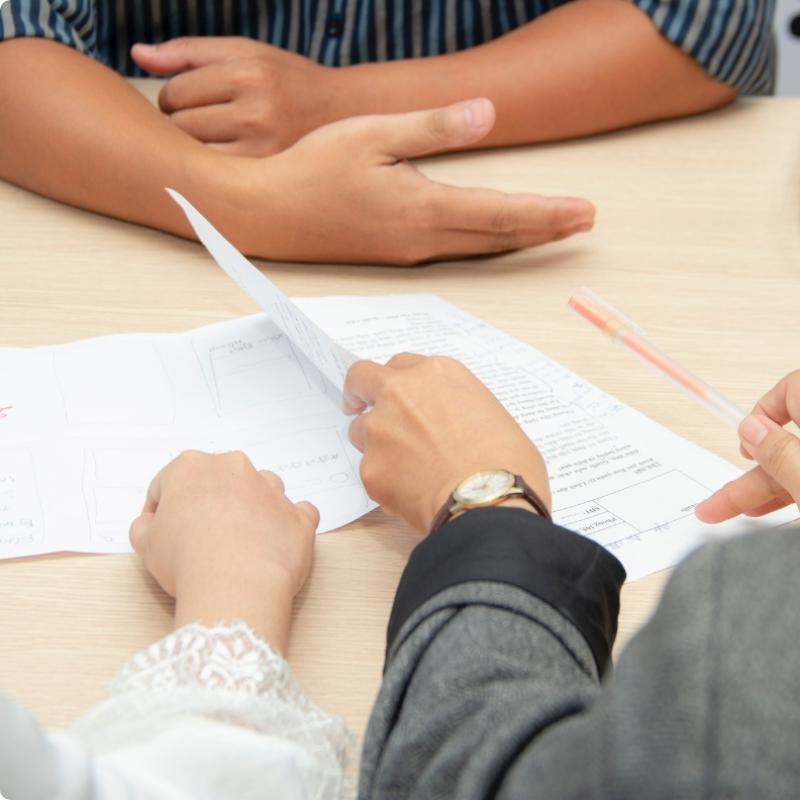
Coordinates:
(419, 133)
(186, 52)
(139, 534)
(775, 449)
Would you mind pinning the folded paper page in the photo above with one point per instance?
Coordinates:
(89, 424)
(330, 358)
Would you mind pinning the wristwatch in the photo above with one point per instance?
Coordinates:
(487, 488)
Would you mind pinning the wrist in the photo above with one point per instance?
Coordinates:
(506, 502)
(355, 90)
(204, 177)
(249, 202)
(532, 495)
(346, 94)
(260, 595)
(393, 87)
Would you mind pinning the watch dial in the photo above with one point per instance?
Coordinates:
(484, 486)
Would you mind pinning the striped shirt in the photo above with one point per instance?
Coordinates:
(731, 39)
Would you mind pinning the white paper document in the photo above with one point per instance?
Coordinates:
(85, 426)
(309, 340)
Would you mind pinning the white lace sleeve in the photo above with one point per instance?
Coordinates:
(225, 674)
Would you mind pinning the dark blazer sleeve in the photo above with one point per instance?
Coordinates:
(502, 625)
(575, 576)
(492, 681)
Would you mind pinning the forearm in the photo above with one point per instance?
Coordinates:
(585, 67)
(486, 672)
(75, 131)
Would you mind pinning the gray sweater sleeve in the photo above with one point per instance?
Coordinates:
(491, 691)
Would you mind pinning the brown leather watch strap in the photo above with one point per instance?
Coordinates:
(533, 498)
(444, 513)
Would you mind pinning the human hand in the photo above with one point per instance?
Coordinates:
(346, 193)
(775, 482)
(226, 542)
(238, 95)
(425, 424)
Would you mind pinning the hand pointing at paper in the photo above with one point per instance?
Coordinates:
(775, 482)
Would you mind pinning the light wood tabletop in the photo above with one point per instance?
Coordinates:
(697, 238)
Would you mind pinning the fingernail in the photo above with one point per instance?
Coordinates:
(584, 225)
(146, 48)
(753, 431)
(579, 225)
(477, 114)
(698, 509)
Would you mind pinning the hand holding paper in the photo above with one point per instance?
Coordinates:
(413, 440)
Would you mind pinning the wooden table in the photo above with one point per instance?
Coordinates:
(697, 237)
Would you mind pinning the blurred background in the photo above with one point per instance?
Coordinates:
(787, 31)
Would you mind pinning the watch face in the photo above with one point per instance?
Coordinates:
(483, 487)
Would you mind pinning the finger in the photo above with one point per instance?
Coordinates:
(309, 512)
(207, 124)
(746, 495)
(273, 480)
(154, 491)
(156, 488)
(773, 505)
(405, 360)
(358, 432)
(140, 531)
(362, 385)
(188, 52)
(418, 133)
(775, 449)
(485, 220)
(205, 86)
(782, 402)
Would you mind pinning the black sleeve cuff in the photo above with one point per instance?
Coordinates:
(577, 577)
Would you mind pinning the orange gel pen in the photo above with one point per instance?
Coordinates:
(620, 329)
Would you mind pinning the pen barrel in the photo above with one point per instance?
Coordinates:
(620, 329)
(697, 388)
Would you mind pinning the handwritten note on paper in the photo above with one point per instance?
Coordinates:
(21, 522)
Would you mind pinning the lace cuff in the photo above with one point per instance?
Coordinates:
(226, 658)
(225, 673)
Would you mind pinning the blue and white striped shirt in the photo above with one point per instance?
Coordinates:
(731, 39)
